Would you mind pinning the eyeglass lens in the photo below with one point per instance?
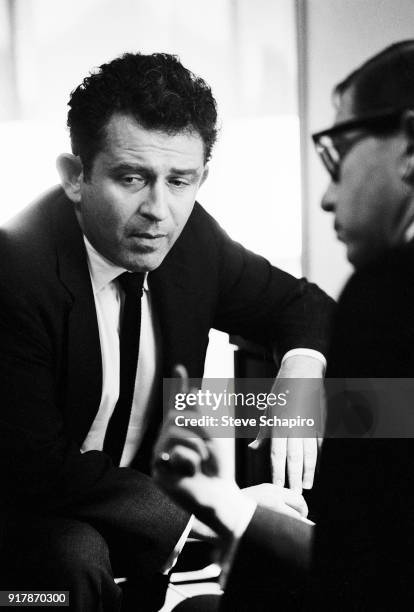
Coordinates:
(329, 156)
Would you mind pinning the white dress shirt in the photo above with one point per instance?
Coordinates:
(109, 298)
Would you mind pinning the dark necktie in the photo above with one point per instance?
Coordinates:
(115, 436)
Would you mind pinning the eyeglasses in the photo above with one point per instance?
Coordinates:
(331, 148)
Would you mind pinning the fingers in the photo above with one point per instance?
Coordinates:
(295, 463)
(173, 436)
(180, 372)
(278, 460)
(310, 455)
(289, 511)
(256, 444)
(181, 461)
(296, 501)
(278, 499)
(299, 457)
(260, 438)
(194, 437)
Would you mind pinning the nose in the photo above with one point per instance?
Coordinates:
(328, 203)
(155, 205)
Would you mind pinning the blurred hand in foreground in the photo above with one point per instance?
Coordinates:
(187, 465)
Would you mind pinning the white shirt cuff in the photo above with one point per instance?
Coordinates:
(305, 353)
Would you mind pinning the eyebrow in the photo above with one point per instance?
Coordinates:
(185, 171)
(124, 167)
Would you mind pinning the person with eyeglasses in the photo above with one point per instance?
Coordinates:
(360, 554)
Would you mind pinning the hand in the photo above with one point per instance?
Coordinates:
(187, 466)
(278, 499)
(296, 456)
(299, 457)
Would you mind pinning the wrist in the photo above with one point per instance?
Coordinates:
(232, 514)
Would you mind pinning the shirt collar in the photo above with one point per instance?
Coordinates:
(102, 270)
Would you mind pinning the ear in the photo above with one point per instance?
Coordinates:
(205, 174)
(71, 175)
(407, 165)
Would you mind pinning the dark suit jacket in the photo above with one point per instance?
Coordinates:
(265, 574)
(365, 533)
(50, 361)
(362, 558)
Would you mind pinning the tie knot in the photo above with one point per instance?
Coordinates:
(132, 282)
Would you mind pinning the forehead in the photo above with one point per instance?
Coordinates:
(126, 140)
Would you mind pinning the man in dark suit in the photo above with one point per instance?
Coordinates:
(359, 555)
(80, 399)
(369, 510)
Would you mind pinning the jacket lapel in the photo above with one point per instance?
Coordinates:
(182, 308)
(182, 305)
(83, 387)
(175, 298)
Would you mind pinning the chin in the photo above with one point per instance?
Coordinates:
(144, 263)
(355, 259)
(354, 256)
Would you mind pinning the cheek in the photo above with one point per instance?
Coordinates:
(354, 200)
(103, 212)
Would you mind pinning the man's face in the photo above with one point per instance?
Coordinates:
(140, 192)
(368, 198)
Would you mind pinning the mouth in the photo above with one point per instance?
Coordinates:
(148, 236)
(339, 232)
(147, 241)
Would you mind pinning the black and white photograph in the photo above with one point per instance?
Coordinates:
(206, 305)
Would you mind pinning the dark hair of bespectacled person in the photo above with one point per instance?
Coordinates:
(383, 84)
(156, 90)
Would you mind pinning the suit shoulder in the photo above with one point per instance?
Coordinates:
(202, 234)
(202, 221)
(27, 243)
(31, 226)
(34, 215)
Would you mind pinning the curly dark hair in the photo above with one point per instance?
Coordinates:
(157, 90)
